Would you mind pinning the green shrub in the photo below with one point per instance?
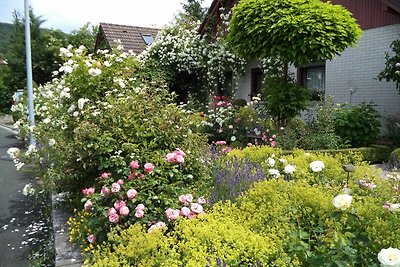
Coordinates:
(358, 125)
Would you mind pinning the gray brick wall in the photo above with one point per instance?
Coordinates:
(357, 68)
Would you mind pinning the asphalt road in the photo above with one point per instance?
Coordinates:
(21, 224)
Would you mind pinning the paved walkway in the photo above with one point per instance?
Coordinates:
(18, 225)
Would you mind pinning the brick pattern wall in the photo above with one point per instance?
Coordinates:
(357, 68)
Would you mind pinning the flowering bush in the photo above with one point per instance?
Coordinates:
(107, 134)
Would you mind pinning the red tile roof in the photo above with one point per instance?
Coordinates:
(131, 37)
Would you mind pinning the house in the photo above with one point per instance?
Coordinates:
(350, 77)
(131, 37)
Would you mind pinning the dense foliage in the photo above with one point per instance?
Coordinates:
(310, 29)
(359, 125)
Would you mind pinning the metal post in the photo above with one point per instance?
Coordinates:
(29, 72)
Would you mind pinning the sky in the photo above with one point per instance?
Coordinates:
(68, 15)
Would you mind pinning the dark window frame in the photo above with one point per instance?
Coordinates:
(302, 73)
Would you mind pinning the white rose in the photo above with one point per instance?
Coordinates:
(389, 257)
(289, 169)
(317, 166)
(274, 172)
(342, 201)
(94, 72)
(394, 207)
(233, 138)
(271, 162)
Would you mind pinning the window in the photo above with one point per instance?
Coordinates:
(313, 78)
(148, 38)
(256, 81)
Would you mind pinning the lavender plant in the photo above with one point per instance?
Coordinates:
(231, 178)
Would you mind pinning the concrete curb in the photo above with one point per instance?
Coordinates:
(66, 253)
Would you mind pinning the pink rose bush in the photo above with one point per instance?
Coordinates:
(189, 210)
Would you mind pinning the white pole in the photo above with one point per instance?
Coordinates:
(29, 72)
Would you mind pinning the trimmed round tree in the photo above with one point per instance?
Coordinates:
(289, 32)
(294, 31)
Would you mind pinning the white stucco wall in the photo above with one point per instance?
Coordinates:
(357, 68)
(244, 82)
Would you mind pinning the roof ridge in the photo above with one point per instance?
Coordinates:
(129, 26)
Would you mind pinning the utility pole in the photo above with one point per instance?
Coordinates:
(29, 73)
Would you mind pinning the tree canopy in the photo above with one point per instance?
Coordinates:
(294, 31)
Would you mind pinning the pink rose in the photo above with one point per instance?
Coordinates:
(88, 205)
(274, 136)
(124, 211)
(105, 175)
(112, 211)
(119, 204)
(196, 208)
(220, 143)
(179, 159)
(189, 197)
(201, 200)
(182, 199)
(114, 218)
(273, 143)
(139, 207)
(91, 238)
(139, 213)
(115, 187)
(134, 165)
(120, 181)
(105, 191)
(148, 167)
(180, 152)
(172, 214)
(185, 211)
(88, 191)
(131, 193)
(171, 157)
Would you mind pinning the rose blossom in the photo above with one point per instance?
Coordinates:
(131, 193)
(112, 211)
(139, 207)
(201, 200)
(172, 214)
(342, 201)
(120, 181)
(115, 187)
(220, 143)
(105, 175)
(185, 211)
(119, 204)
(134, 165)
(389, 257)
(139, 213)
(91, 238)
(88, 191)
(289, 169)
(124, 211)
(196, 208)
(317, 166)
(114, 218)
(148, 167)
(105, 191)
(88, 205)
